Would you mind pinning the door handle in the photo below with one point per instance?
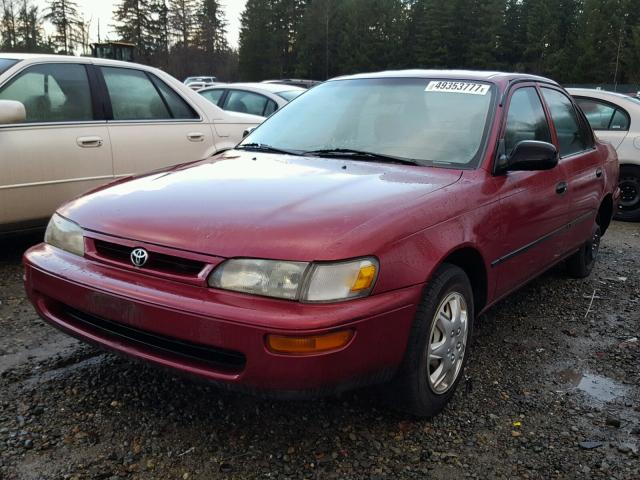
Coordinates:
(89, 142)
(195, 136)
(599, 172)
(561, 188)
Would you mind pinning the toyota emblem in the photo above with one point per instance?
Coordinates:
(139, 256)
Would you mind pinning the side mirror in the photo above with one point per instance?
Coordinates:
(530, 155)
(12, 112)
(247, 132)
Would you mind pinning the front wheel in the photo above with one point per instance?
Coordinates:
(629, 204)
(437, 350)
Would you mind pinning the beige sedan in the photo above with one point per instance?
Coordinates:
(69, 124)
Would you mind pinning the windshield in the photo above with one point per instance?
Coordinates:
(5, 64)
(290, 95)
(428, 121)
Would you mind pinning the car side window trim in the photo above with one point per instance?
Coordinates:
(223, 98)
(97, 117)
(162, 97)
(616, 108)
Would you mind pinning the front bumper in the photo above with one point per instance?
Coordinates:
(218, 335)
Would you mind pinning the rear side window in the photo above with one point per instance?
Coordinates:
(603, 115)
(270, 108)
(178, 108)
(290, 95)
(212, 95)
(573, 136)
(526, 119)
(137, 96)
(55, 92)
(6, 64)
(246, 102)
(620, 120)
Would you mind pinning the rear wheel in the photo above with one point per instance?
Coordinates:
(629, 204)
(437, 350)
(581, 263)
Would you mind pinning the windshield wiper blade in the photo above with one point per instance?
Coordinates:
(351, 154)
(261, 147)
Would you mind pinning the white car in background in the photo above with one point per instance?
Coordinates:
(616, 118)
(70, 124)
(261, 99)
(196, 83)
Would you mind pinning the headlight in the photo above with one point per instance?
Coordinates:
(65, 234)
(315, 282)
(260, 277)
(340, 281)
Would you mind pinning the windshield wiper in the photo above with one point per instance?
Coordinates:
(261, 147)
(351, 154)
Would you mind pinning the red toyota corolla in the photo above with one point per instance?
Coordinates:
(352, 238)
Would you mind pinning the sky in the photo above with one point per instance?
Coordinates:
(100, 11)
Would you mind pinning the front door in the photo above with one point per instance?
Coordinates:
(60, 151)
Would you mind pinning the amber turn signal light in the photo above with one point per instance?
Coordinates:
(308, 344)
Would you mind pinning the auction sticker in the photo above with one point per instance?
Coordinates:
(458, 87)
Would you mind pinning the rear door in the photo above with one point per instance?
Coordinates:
(610, 122)
(62, 149)
(533, 204)
(581, 161)
(151, 125)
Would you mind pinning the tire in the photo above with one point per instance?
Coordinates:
(581, 263)
(412, 391)
(629, 204)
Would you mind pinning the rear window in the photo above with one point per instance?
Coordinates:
(290, 95)
(6, 64)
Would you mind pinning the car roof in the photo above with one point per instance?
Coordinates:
(71, 58)
(492, 76)
(620, 99)
(265, 87)
(594, 92)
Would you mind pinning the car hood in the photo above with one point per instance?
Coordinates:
(264, 205)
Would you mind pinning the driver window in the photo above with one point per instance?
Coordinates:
(52, 93)
(526, 119)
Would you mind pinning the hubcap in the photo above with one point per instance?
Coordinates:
(447, 343)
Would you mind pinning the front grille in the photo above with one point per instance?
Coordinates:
(157, 261)
(221, 359)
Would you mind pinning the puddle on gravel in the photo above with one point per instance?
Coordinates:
(596, 386)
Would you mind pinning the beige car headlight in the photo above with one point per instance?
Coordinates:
(65, 234)
(306, 282)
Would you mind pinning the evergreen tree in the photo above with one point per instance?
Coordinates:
(211, 34)
(183, 20)
(8, 25)
(63, 15)
(133, 20)
(29, 28)
(257, 46)
(158, 33)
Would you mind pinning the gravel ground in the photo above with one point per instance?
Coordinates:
(552, 391)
